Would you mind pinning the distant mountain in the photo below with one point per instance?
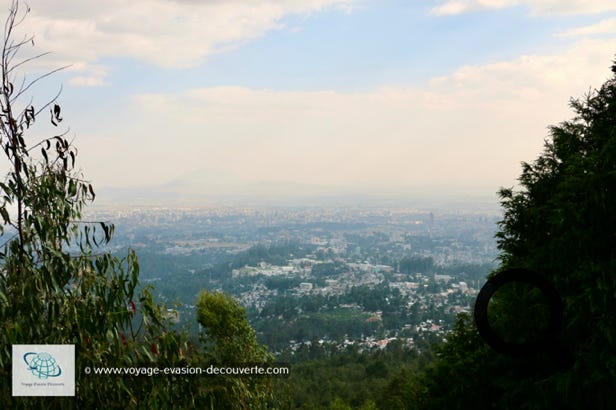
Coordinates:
(199, 188)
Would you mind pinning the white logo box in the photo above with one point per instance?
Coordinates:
(43, 370)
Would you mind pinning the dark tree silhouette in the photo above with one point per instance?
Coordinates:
(561, 224)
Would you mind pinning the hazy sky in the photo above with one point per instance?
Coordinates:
(363, 96)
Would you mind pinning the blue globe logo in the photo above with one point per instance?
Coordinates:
(42, 365)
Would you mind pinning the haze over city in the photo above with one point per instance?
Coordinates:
(308, 204)
(314, 98)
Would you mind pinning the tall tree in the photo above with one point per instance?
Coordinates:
(561, 224)
(59, 284)
(230, 341)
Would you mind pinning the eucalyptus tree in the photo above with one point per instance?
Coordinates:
(59, 284)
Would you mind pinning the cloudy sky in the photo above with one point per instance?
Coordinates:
(316, 96)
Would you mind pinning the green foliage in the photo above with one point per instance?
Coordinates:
(59, 285)
(416, 264)
(56, 286)
(328, 269)
(350, 378)
(232, 342)
(275, 254)
(561, 224)
(227, 330)
(339, 404)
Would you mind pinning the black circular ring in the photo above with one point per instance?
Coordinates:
(524, 276)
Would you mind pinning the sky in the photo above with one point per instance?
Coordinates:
(308, 98)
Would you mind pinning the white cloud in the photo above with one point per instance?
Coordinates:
(453, 7)
(606, 26)
(162, 32)
(468, 129)
(94, 77)
(536, 7)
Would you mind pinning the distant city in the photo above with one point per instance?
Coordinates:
(336, 277)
